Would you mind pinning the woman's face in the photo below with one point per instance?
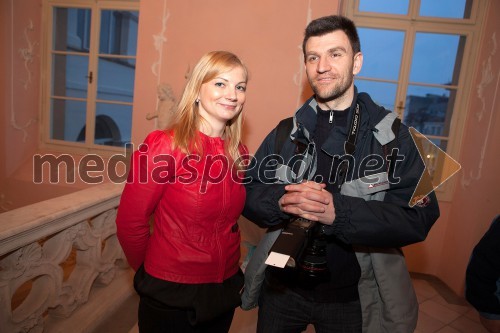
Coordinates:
(222, 98)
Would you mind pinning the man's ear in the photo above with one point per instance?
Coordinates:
(358, 63)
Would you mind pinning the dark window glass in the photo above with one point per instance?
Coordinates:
(71, 29)
(67, 118)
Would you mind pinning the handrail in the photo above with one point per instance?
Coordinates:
(26, 224)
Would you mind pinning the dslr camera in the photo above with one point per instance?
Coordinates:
(305, 242)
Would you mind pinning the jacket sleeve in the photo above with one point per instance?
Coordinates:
(391, 222)
(263, 193)
(140, 196)
(482, 277)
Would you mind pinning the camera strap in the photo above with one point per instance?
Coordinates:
(352, 135)
(349, 145)
(283, 130)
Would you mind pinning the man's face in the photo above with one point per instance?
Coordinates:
(330, 68)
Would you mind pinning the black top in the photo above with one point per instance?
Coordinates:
(342, 284)
(326, 121)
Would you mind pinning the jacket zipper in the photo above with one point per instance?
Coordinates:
(222, 268)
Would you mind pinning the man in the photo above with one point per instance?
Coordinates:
(361, 221)
(482, 278)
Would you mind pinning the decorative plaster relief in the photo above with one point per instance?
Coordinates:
(488, 76)
(28, 53)
(159, 40)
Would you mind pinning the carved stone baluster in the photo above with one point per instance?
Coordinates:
(22, 266)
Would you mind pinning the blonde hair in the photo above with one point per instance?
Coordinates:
(187, 118)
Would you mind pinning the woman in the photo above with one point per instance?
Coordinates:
(186, 176)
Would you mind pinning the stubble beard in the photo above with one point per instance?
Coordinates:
(333, 93)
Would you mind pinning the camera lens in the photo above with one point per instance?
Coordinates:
(314, 265)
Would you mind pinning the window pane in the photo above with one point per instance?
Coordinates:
(458, 9)
(382, 93)
(73, 73)
(71, 29)
(67, 119)
(118, 32)
(399, 7)
(113, 124)
(116, 79)
(429, 110)
(437, 58)
(378, 46)
(69, 75)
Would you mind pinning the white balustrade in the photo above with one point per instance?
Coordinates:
(55, 256)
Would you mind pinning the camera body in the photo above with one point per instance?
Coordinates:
(304, 241)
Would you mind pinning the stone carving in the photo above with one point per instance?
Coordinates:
(36, 271)
(166, 107)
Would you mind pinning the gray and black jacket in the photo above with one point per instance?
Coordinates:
(373, 216)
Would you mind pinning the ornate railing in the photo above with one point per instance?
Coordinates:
(61, 266)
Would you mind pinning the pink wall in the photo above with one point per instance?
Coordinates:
(267, 36)
(477, 197)
(4, 87)
(20, 87)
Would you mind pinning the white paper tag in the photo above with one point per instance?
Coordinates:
(277, 259)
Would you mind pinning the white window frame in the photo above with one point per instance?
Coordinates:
(46, 77)
(472, 28)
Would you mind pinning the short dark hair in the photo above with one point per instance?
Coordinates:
(324, 25)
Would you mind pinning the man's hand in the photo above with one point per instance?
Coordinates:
(309, 200)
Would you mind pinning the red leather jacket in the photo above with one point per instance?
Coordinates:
(195, 202)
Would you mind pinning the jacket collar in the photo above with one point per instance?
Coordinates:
(305, 122)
